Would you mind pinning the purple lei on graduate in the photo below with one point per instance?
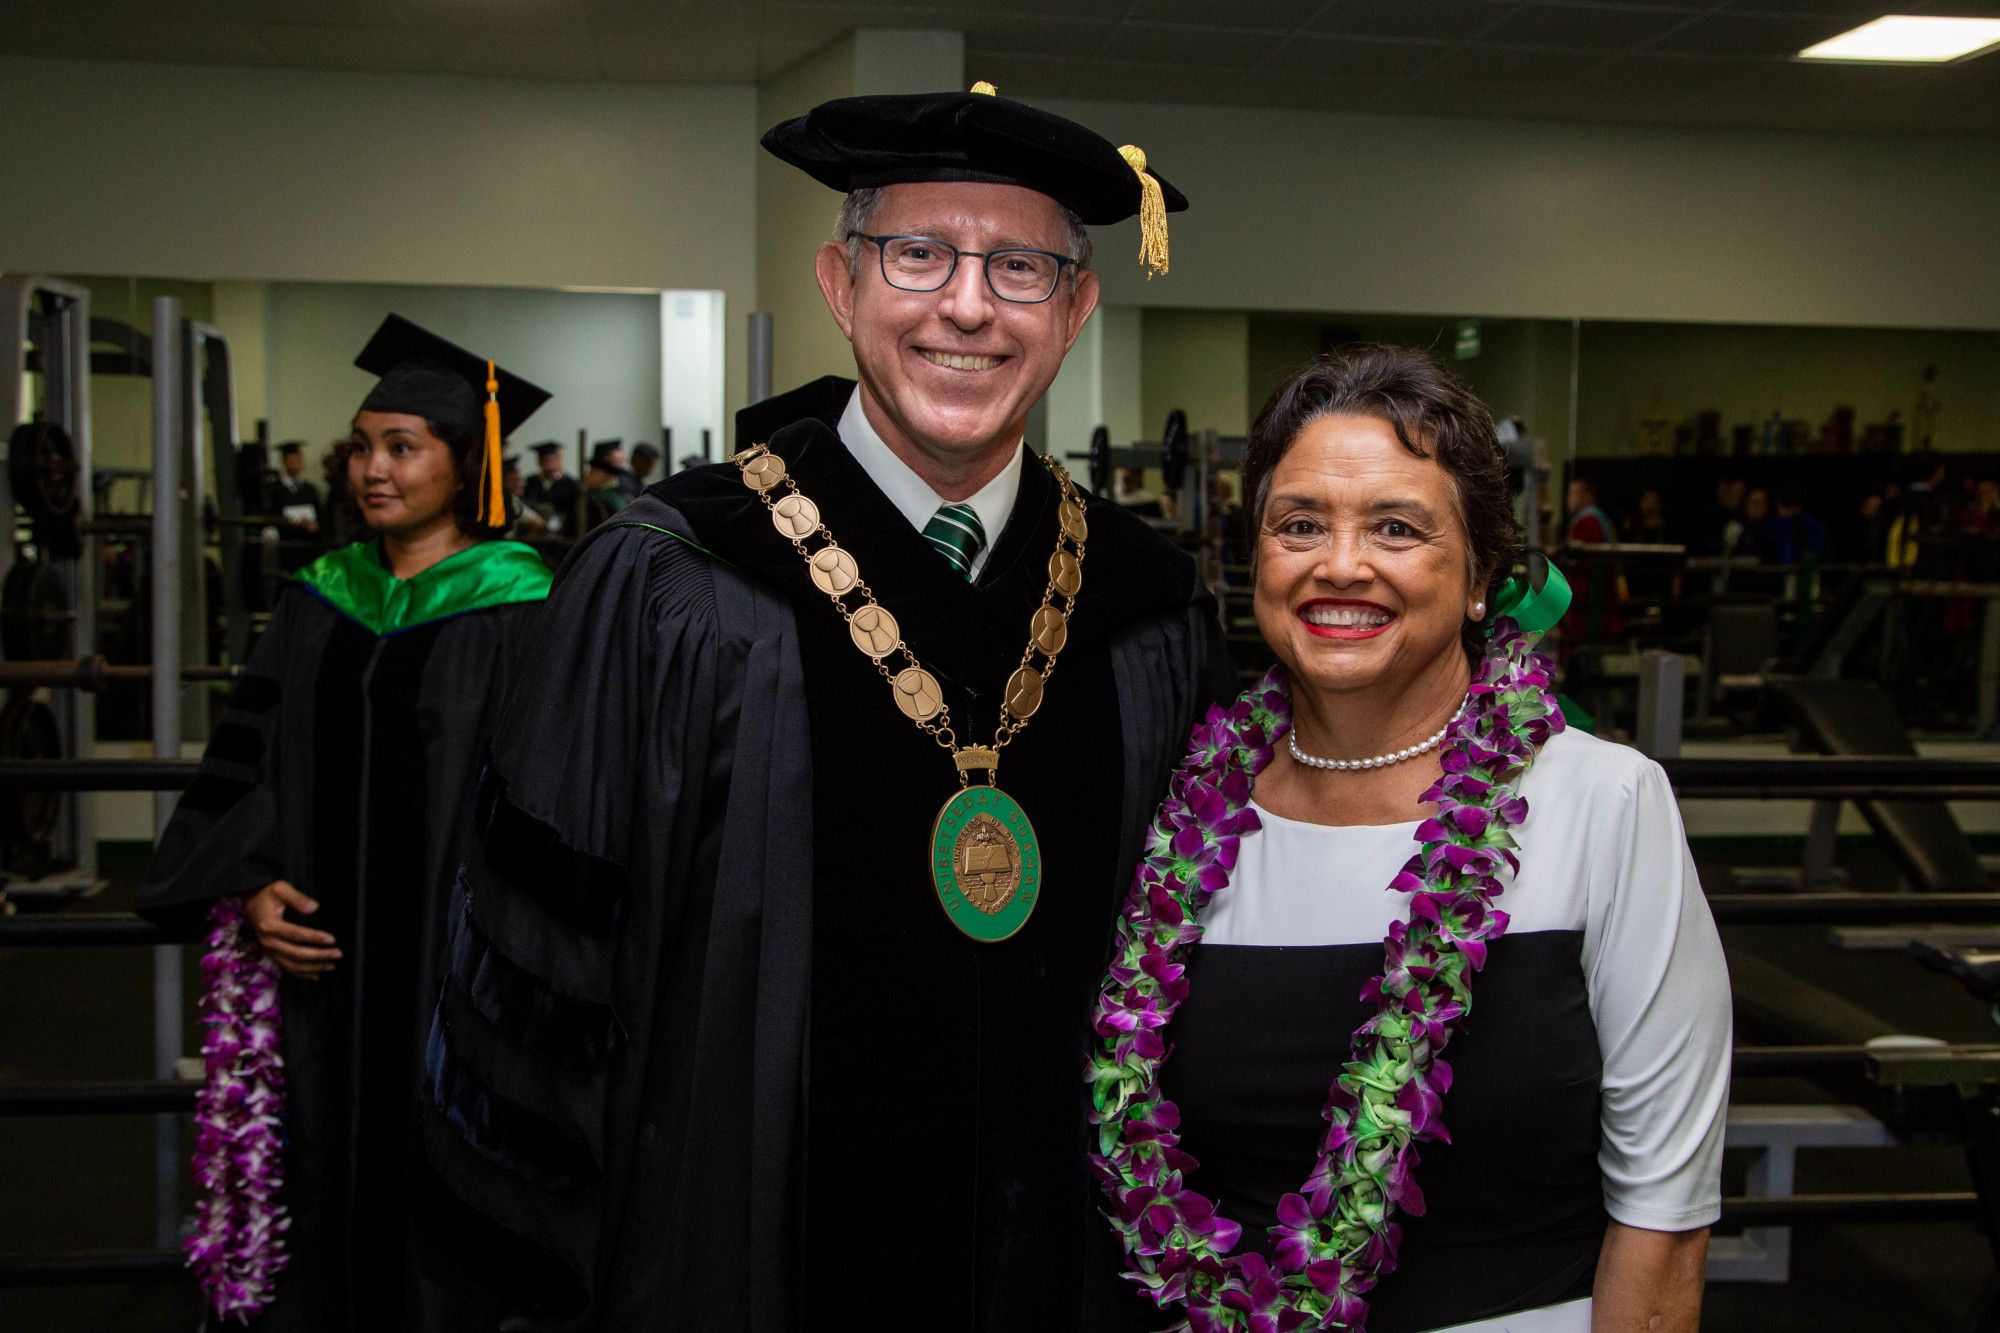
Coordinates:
(237, 1247)
(1338, 1235)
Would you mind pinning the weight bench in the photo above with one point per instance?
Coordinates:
(1795, 1011)
(1857, 717)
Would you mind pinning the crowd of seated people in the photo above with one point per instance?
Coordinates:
(1935, 520)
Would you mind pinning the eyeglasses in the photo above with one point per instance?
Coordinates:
(921, 264)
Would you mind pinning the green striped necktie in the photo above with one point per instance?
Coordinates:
(954, 530)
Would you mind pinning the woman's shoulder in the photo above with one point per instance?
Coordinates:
(1613, 776)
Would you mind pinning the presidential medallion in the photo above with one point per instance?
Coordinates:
(985, 863)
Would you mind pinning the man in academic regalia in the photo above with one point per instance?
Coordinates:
(770, 1001)
(551, 492)
(296, 502)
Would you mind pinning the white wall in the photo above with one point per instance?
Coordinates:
(692, 393)
(597, 353)
(1297, 210)
(216, 173)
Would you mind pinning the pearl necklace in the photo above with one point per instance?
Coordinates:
(1380, 760)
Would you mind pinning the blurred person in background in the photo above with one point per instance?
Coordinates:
(551, 492)
(645, 465)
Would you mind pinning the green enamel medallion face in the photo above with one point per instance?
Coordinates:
(986, 863)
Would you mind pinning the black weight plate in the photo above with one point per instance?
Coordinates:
(1100, 460)
(1174, 450)
(43, 472)
(28, 731)
(41, 465)
(37, 621)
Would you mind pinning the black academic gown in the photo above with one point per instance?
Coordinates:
(344, 764)
(710, 1056)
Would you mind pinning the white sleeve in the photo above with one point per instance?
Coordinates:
(1659, 993)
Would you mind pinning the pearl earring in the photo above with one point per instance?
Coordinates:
(1478, 610)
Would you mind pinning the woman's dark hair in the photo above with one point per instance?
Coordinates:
(465, 444)
(1433, 414)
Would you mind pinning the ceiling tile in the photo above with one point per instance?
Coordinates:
(1273, 15)
(660, 58)
(1335, 57)
(1472, 97)
(1202, 48)
(538, 16)
(1645, 75)
(314, 13)
(1514, 64)
(1029, 36)
(1836, 8)
(175, 43)
(560, 54)
(1771, 36)
(664, 15)
(346, 48)
(143, 13)
(1442, 20)
(1593, 26)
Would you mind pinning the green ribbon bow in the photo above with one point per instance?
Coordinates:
(1536, 611)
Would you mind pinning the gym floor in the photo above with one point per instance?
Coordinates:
(72, 1183)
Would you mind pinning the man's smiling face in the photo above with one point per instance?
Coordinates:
(948, 377)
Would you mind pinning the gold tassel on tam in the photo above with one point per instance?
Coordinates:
(1152, 213)
(985, 88)
(492, 507)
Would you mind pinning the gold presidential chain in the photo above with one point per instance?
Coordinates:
(876, 633)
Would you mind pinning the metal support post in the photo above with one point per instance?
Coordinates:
(166, 588)
(1662, 694)
(760, 360)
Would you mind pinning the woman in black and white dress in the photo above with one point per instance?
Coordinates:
(1590, 1080)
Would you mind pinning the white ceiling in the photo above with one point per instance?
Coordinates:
(1677, 62)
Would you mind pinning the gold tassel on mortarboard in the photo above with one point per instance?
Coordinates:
(1152, 213)
(492, 507)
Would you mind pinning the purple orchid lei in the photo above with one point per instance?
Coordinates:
(1338, 1236)
(237, 1247)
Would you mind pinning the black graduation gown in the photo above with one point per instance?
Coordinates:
(710, 1056)
(345, 764)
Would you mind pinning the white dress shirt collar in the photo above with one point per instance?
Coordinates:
(912, 495)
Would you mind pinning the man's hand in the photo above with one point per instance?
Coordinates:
(303, 952)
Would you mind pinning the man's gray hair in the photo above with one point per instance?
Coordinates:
(857, 218)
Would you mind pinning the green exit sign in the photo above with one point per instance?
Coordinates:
(1467, 344)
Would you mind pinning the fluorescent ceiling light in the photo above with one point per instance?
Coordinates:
(1909, 39)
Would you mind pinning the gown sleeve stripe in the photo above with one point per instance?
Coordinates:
(583, 891)
(533, 1143)
(577, 1034)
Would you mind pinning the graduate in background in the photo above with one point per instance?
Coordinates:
(335, 798)
(296, 502)
(553, 493)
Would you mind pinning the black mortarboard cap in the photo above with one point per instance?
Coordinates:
(858, 143)
(426, 376)
(545, 448)
(290, 447)
(602, 450)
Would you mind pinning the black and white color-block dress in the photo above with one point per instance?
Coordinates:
(1591, 1079)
